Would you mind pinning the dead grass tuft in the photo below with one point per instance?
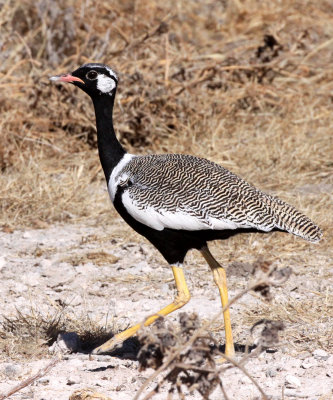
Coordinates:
(28, 334)
(97, 257)
(194, 368)
(88, 394)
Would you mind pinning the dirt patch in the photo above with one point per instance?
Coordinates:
(100, 300)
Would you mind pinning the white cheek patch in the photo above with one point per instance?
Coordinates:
(105, 84)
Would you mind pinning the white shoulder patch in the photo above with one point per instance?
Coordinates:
(117, 176)
(160, 219)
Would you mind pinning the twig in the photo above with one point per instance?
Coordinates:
(32, 379)
(242, 368)
(223, 390)
(144, 37)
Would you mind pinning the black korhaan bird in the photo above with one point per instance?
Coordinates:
(179, 202)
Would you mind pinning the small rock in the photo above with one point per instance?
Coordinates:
(2, 262)
(292, 382)
(164, 288)
(31, 279)
(290, 393)
(136, 297)
(73, 381)
(309, 363)
(244, 380)
(43, 381)
(45, 264)
(11, 370)
(304, 355)
(27, 235)
(67, 342)
(271, 372)
(103, 358)
(320, 354)
(20, 287)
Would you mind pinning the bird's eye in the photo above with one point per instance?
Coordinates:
(92, 75)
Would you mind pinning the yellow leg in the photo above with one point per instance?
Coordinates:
(182, 297)
(220, 279)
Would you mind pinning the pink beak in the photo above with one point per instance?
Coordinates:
(66, 78)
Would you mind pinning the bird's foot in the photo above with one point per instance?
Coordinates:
(117, 340)
(229, 354)
(109, 346)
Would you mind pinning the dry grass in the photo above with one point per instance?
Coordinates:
(203, 82)
(196, 77)
(26, 334)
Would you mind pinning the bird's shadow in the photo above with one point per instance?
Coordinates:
(130, 348)
(101, 369)
(239, 348)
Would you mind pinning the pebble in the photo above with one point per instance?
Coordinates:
(271, 372)
(244, 380)
(27, 235)
(292, 382)
(45, 264)
(2, 262)
(31, 278)
(309, 363)
(43, 381)
(73, 381)
(20, 287)
(320, 354)
(67, 342)
(103, 358)
(11, 370)
(304, 355)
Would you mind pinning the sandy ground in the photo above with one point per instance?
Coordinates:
(116, 282)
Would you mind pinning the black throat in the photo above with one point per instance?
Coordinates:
(109, 149)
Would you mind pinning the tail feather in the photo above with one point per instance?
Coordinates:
(291, 220)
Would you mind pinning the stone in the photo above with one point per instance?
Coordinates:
(2, 262)
(244, 380)
(309, 363)
(11, 370)
(271, 373)
(67, 342)
(320, 354)
(45, 265)
(27, 235)
(43, 381)
(73, 381)
(292, 382)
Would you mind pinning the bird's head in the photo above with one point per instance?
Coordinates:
(94, 79)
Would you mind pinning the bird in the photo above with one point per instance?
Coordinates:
(179, 202)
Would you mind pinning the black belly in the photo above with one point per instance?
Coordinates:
(173, 244)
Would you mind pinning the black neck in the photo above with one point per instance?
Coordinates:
(109, 149)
